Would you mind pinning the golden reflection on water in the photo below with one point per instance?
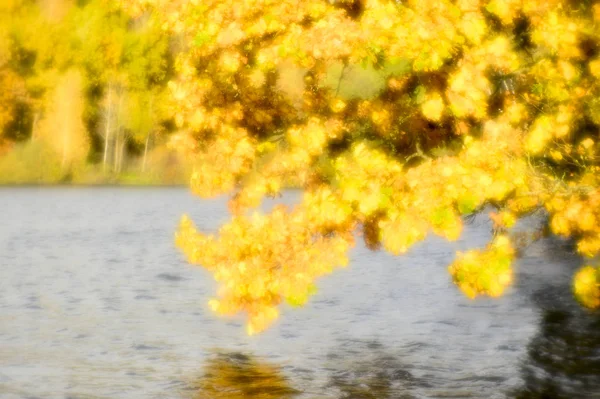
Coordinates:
(362, 370)
(237, 376)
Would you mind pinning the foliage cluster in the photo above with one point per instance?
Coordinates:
(471, 104)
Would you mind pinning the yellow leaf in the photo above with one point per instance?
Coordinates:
(586, 286)
(587, 143)
(338, 105)
(433, 107)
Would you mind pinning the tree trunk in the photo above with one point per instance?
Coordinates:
(116, 150)
(66, 133)
(121, 153)
(119, 134)
(145, 153)
(34, 125)
(107, 129)
(148, 136)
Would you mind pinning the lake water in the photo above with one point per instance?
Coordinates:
(96, 302)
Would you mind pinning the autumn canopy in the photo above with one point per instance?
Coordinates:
(397, 119)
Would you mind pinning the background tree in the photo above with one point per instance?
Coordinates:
(122, 60)
(62, 127)
(145, 114)
(126, 58)
(7, 80)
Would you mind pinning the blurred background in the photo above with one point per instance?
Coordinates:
(83, 95)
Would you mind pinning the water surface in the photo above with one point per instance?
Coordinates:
(96, 302)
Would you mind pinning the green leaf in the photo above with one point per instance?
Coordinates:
(467, 204)
(296, 300)
(442, 216)
(201, 39)
(385, 197)
(420, 94)
(397, 66)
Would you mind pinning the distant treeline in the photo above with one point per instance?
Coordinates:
(83, 95)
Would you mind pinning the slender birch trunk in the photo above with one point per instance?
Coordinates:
(147, 136)
(34, 125)
(119, 134)
(116, 150)
(120, 153)
(107, 128)
(145, 153)
(66, 133)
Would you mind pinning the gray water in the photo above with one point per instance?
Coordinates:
(96, 302)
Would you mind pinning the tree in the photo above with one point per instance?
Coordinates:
(7, 79)
(145, 63)
(62, 127)
(101, 33)
(126, 57)
(124, 62)
(485, 104)
(143, 118)
(13, 86)
(37, 60)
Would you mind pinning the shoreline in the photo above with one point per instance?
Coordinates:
(90, 185)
